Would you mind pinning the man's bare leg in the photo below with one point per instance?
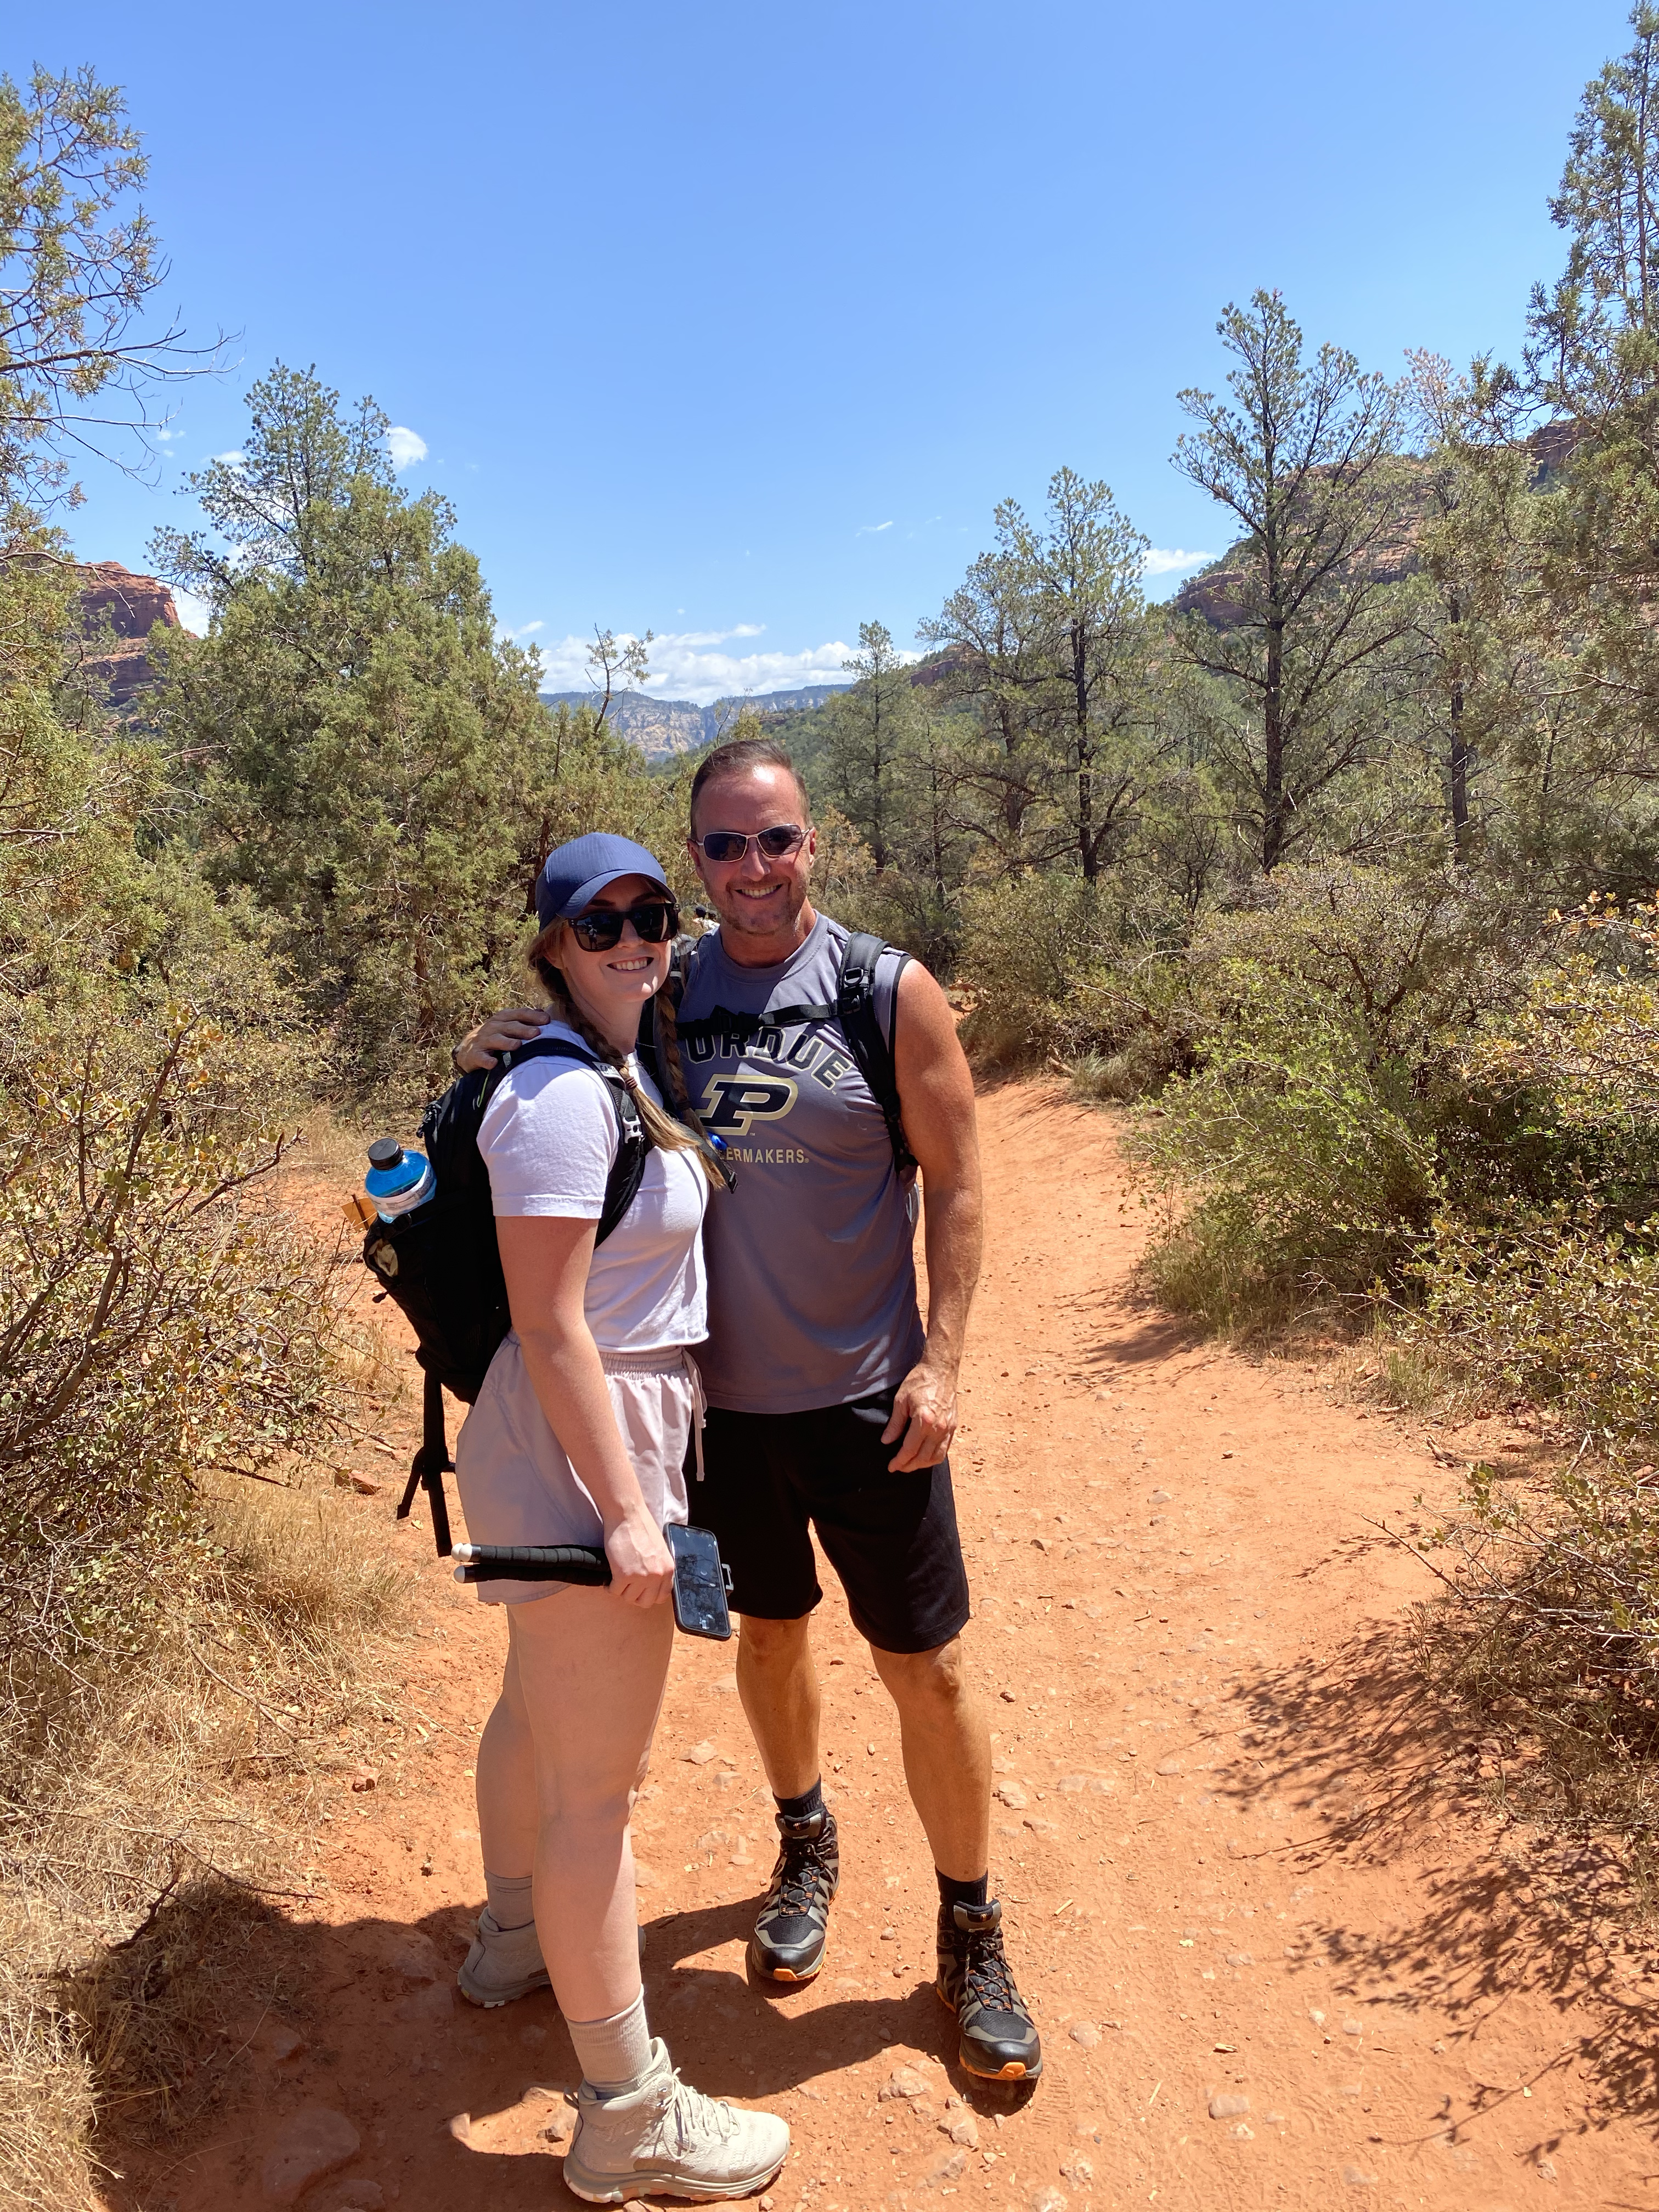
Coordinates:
(947, 1764)
(946, 1742)
(942, 1728)
(779, 1686)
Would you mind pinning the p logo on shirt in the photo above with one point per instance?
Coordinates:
(740, 1101)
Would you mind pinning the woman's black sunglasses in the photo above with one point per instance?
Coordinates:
(727, 845)
(654, 920)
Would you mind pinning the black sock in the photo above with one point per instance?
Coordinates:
(802, 1808)
(962, 1893)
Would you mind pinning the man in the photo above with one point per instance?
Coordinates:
(831, 1408)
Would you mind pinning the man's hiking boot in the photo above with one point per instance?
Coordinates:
(504, 1963)
(663, 2138)
(787, 1944)
(1000, 2040)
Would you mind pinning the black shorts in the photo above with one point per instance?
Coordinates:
(891, 1538)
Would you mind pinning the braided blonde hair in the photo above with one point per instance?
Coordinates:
(679, 1131)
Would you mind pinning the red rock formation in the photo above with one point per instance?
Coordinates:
(133, 605)
(1215, 592)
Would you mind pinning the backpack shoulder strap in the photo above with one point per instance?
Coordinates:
(627, 1169)
(633, 1142)
(872, 1046)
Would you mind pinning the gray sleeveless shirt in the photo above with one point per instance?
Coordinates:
(811, 1277)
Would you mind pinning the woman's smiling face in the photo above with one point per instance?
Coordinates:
(608, 987)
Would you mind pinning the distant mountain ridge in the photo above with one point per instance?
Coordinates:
(664, 727)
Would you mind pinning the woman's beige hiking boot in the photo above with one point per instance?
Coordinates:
(663, 2138)
(504, 1963)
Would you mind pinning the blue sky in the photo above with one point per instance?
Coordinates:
(736, 321)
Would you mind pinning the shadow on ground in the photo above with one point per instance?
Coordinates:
(1354, 1759)
(365, 2021)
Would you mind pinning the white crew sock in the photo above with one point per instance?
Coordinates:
(612, 2053)
(509, 1900)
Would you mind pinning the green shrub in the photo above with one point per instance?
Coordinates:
(156, 1322)
(1062, 970)
(1566, 1318)
(1312, 1166)
(1302, 1155)
(1543, 1270)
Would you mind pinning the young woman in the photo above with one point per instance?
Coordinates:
(579, 1436)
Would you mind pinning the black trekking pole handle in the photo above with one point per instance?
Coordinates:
(533, 1563)
(702, 1581)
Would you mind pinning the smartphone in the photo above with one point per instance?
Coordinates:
(700, 1583)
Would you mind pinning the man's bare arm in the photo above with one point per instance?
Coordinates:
(497, 1033)
(936, 1093)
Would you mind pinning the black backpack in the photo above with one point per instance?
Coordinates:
(441, 1265)
(854, 1010)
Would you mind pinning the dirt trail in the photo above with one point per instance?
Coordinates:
(1282, 1952)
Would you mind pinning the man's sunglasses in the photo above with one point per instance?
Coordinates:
(726, 846)
(654, 920)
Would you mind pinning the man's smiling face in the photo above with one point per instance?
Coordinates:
(756, 898)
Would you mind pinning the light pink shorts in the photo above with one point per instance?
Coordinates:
(518, 1487)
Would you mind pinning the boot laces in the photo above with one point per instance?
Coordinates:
(801, 1874)
(694, 2116)
(985, 1974)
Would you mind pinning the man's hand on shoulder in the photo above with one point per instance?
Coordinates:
(513, 1026)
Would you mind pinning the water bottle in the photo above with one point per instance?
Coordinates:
(397, 1180)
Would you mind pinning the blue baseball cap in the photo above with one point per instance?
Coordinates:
(573, 875)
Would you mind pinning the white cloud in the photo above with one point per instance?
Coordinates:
(167, 435)
(871, 529)
(685, 665)
(194, 613)
(233, 459)
(1170, 561)
(405, 448)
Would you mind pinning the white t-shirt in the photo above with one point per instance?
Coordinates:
(548, 1139)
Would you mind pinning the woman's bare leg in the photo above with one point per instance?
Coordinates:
(589, 1675)
(505, 1791)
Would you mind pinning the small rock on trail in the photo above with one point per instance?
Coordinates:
(315, 2142)
(902, 2081)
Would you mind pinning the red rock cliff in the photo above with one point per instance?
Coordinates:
(133, 605)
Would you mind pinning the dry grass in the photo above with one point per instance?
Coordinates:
(47, 2105)
(316, 1179)
(1113, 1078)
(150, 1836)
(1403, 1376)
(1544, 1639)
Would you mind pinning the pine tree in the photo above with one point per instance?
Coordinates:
(867, 729)
(1048, 636)
(1301, 460)
(1592, 365)
(357, 746)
